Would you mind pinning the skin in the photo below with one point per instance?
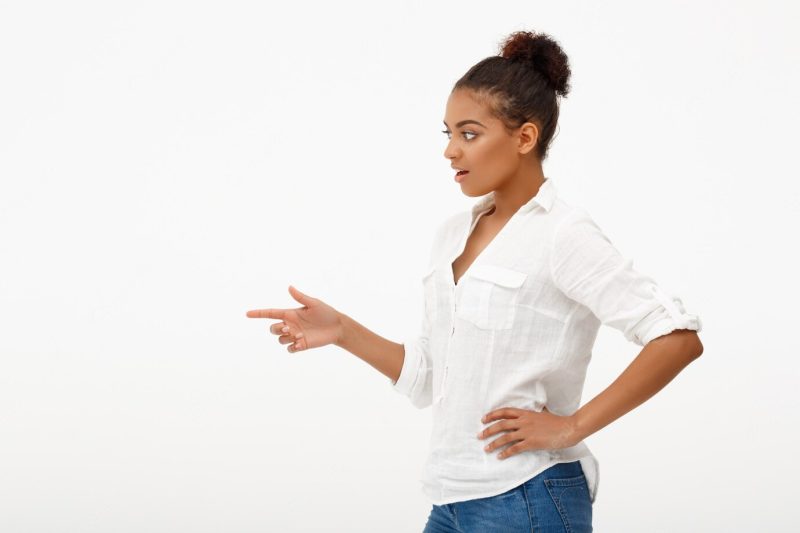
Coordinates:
(497, 161)
(506, 163)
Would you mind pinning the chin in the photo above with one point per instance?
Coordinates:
(475, 193)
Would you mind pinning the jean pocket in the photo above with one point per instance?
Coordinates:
(489, 296)
(571, 497)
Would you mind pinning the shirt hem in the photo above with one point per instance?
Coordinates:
(505, 488)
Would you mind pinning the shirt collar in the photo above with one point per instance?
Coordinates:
(545, 197)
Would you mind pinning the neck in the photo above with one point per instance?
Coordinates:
(516, 192)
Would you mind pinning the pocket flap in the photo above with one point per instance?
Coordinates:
(429, 271)
(499, 275)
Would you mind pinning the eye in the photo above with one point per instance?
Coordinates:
(464, 133)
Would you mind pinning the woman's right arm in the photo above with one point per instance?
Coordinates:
(407, 364)
(317, 324)
(384, 355)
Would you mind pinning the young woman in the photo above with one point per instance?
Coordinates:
(515, 291)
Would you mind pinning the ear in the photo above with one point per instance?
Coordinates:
(528, 137)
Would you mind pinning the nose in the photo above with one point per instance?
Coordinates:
(450, 151)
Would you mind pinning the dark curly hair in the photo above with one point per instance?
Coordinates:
(522, 83)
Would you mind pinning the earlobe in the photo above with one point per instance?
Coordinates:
(526, 146)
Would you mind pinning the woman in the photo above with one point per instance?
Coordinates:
(515, 291)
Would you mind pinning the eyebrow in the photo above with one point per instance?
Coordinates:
(468, 121)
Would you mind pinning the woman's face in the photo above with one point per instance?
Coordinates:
(479, 143)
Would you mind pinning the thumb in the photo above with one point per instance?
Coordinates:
(299, 296)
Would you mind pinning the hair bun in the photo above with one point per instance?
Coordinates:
(541, 52)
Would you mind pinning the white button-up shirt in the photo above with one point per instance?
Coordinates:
(517, 331)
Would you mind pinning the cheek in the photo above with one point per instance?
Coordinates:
(480, 153)
(496, 156)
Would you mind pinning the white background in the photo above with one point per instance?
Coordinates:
(166, 166)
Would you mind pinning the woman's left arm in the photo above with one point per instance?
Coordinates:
(657, 364)
(588, 269)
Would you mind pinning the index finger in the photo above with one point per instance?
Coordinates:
(266, 313)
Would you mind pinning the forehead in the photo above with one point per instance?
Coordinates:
(463, 104)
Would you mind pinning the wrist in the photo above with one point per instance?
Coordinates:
(578, 428)
(343, 328)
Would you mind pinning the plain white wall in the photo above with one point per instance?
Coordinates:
(166, 166)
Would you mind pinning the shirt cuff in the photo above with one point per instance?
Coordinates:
(670, 316)
(408, 374)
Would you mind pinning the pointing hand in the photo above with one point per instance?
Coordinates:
(310, 326)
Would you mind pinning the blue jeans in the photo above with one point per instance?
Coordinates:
(556, 500)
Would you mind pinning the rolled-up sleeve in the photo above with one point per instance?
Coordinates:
(588, 268)
(415, 377)
(415, 380)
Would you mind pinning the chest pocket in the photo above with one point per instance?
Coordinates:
(489, 296)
